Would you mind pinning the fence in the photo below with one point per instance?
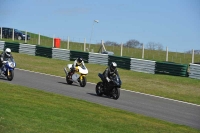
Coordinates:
(81, 45)
(62, 54)
(194, 71)
(140, 65)
(171, 69)
(2, 43)
(27, 49)
(133, 64)
(122, 62)
(95, 58)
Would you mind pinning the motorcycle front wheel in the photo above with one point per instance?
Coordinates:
(115, 93)
(83, 81)
(10, 75)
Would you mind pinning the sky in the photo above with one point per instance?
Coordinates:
(172, 23)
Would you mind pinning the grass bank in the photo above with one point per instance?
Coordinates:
(27, 110)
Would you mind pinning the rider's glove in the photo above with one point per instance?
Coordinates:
(107, 79)
(1, 58)
(76, 69)
(4, 62)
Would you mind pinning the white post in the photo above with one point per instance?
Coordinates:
(97, 21)
(143, 51)
(68, 43)
(13, 35)
(166, 53)
(1, 33)
(38, 38)
(91, 35)
(53, 41)
(192, 55)
(121, 48)
(26, 37)
(84, 45)
(103, 46)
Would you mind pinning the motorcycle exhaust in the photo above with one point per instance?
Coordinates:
(65, 71)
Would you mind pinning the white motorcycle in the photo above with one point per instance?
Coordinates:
(79, 76)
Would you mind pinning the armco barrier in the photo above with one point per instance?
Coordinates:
(122, 62)
(194, 71)
(140, 65)
(13, 46)
(133, 64)
(62, 54)
(76, 54)
(2, 43)
(170, 68)
(27, 49)
(43, 51)
(96, 58)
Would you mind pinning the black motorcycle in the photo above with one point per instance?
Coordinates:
(111, 89)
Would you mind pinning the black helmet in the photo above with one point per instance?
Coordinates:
(113, 66)
(79, 60)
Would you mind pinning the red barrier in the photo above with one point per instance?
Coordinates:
(56, 42)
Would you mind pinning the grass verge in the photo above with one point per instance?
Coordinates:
(26, 110)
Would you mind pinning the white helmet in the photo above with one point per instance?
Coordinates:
(8, 52)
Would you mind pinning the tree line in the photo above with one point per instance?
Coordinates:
(133, 43)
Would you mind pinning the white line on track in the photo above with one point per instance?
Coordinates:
(121, 89)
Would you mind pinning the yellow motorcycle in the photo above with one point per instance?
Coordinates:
(79, 76)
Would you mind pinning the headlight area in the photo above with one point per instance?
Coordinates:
(12, 65)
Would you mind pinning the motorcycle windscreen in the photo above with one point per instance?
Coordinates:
(83, 70)
(116, 80)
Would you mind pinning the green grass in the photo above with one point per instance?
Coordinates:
(27, 110)
(179, 88)
(183, 58)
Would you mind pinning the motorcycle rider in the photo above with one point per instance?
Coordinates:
(78, 62)
(5, 54)
(110, 71)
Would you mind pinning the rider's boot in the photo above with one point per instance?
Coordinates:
(70, 75)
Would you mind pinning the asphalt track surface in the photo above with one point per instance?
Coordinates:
(161, 108)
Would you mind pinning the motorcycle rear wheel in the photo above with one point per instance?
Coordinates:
(68, 80)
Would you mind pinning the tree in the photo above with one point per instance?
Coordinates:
(110, 43)
(154, 46)
(133, 43)
(195, 52)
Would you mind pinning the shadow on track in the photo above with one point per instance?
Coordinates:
(103, 96)
(69, 84)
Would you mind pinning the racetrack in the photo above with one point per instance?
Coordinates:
(157, 107)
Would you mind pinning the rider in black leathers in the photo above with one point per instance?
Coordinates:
(109, 71)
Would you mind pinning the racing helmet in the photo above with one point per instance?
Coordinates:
(79, 60)
(8, 52)
(113, 66)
